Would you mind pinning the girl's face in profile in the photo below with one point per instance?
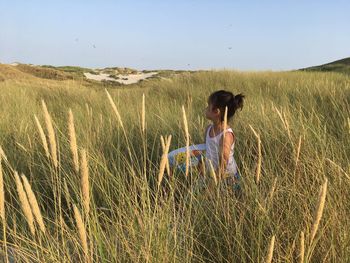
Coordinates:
(210, 112)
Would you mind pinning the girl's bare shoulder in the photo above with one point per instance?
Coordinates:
(229, 135)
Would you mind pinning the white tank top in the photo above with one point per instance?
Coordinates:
(213, 152)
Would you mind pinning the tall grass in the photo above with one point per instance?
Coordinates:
(292, 139)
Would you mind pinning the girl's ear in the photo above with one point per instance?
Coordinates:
(217, 111)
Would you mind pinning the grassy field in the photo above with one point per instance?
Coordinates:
(100, 199)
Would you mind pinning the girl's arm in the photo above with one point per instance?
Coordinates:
(225, 149)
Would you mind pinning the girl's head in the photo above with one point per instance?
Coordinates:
(219, 100)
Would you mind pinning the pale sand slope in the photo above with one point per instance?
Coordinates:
(124, 79)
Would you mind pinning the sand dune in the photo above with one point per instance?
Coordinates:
(124, 79)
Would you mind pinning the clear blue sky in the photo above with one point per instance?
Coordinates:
(181, 34)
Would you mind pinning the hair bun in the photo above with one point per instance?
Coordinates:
(238, 101)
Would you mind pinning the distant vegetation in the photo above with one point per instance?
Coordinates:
(341, 66)
(43, 72)
(70, 69)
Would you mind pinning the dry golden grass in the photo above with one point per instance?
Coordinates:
(81, 232)
(143, 114)
(114, 107)
(42, 137)
(84, 181)
(164, 160)
(184, 118)
(297, 153)
(319, 210)
(73, 141)
(2, 211)
(273, 188)
(339, 168)
(282, 115)
(212, 172)
(258, 164)
(270, 251)
(34, 204)
(27, 211)
(2, 194)
(115, 110)
(164, 150)
(66, 193)
(2, 154)
(302, 247)
(51, 134)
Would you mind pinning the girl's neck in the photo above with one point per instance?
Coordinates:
(218, 126)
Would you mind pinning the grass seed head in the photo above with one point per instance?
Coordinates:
(73, 141)
(27, 211)
(51, 134)
(84, 181)
(42, 136)
(81, 231)
(319, 210)
(34, 204)
(2, 194)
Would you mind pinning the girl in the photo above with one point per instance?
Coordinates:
(219, 148)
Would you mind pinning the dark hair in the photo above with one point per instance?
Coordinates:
(221, 99)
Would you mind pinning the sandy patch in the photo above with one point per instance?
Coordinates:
(124, 79)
